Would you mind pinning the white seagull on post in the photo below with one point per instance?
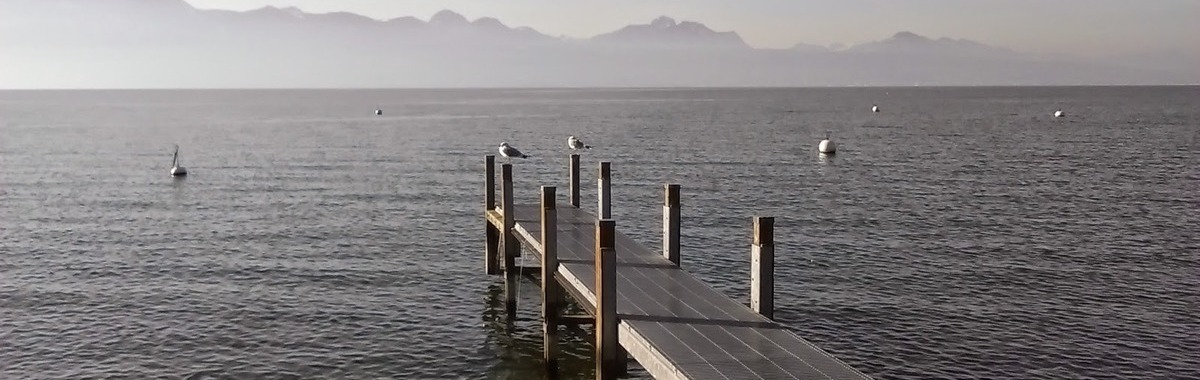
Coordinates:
(575, 144)
(509, 152)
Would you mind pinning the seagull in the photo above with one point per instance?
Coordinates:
(575, 144)
(509, 152)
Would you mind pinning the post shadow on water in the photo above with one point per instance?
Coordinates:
(518, 344)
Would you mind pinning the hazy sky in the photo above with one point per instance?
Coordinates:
(1079, 27)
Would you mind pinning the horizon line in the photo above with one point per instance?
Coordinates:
(452, 88)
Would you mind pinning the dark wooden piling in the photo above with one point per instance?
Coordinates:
(671, 223)
(607, 345)
(509, 241)
(551, 294)
(574, 173)
(762, 267)
(603, 184)
(489, 169)
(492, 243)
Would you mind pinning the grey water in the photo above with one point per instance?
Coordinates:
(959, 233)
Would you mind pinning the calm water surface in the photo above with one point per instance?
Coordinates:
(960, 233)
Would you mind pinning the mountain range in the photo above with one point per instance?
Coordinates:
(169, 43)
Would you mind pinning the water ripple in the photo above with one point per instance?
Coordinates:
(985, 240)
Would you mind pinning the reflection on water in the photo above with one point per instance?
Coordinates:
(519, 343)
(826, 164)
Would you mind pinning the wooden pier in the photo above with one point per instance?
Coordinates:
(643, 305)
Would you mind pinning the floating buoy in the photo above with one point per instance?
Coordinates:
(176, 169)
(874, 108)
(1059, 113)
(378, 112)
(827, 146)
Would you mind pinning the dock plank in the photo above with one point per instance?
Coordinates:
(675, 325)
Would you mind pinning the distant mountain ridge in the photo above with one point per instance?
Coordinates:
(169, 43)
(661, 32)
(905, 42)
(666, 32)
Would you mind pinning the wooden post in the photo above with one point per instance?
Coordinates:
(492, 246)
(603, 183)
(509, 242)
(762, 267)
(489, 166)
(574, 180)
(606, 300)
(671, 223)
(551, 294)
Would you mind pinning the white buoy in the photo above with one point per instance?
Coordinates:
(874, 108)
(827, 146)
(176, 170)
(1059, 113)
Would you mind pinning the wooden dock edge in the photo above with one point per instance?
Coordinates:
(496, 217)
(528, 240)
(647, 355)
(616, 340)
(568, 281)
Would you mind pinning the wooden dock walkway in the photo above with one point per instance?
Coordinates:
(642, 303)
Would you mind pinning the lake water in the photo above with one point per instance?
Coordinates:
(959, 233)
